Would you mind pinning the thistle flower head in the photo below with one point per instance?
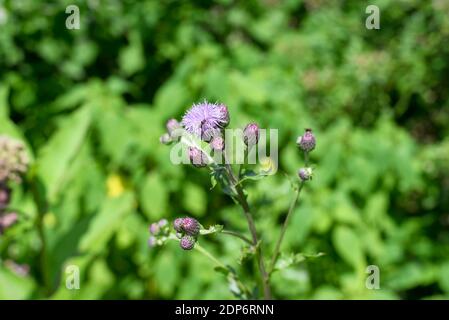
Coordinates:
(191, 226)
(187, 242)
(307, 141)
(197, 157)
(251, 134)
(177, 224)
(205, 120)
(13, 159)
(217, 143)
(305, 174)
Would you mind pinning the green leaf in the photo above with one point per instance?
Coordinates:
(212, 229)
(194, 199)
(348, 246)
(287, 260)
(154, 196)
(106, 222)
(131, 58)
(56, 156)
(14, 287)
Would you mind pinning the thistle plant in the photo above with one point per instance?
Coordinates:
(201, 131)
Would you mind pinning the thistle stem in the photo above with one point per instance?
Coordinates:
(209, 255)
(238, 235)
(285, 226)
(252, 227)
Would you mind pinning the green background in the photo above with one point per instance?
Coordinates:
(91, 104)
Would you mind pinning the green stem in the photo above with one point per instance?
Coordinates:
(209, 255)
(252, 227)
(41, 210)
(284, 227)
(238, 235)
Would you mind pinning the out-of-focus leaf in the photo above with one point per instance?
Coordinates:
(14, 287)
(287, 260)
(194, 199)
(348, 246)
(106, 222)
(53, 160)
(154, 196)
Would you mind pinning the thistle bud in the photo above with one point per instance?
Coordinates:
(305, 174)
(187, 242)
(177, 224)
(217, 143)
(251, 134)
(154, 229)
(307, 141)
(197, 157)
(152, 242)
(191, 226)
(223, 115)
(165, 139)
(162, 223)
(172, 125)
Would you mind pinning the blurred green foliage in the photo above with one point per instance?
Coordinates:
(91, 104)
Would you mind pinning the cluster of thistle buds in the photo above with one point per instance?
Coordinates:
(13, 165)
(206, 121)
(187, 230)
(306, 143)
(159, 233)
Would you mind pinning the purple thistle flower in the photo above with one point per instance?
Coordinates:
(205, 120)
(217, 143)
(305, 174)
(251, 134)
(197, 157)
(177, 224)
(191, 226)
(307, 141)
(155, 229)
(187, 242)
